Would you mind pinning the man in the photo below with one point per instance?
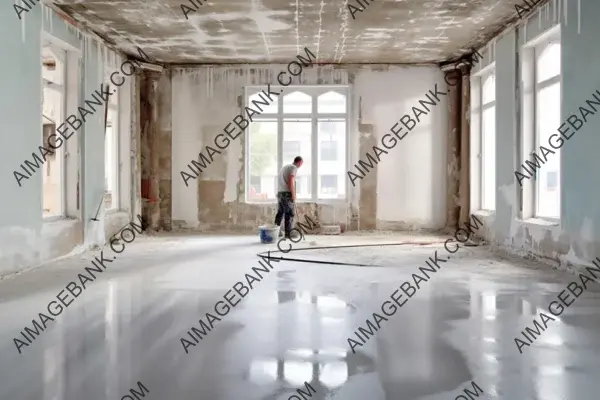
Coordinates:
(286, 195)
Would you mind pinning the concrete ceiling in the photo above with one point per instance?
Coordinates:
(275, 31)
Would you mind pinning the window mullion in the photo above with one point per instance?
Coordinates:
(481, 146)
(314, 153)
(61, 155)
(534, 181)
(279, 137)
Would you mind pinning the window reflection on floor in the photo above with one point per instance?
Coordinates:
(322, 366)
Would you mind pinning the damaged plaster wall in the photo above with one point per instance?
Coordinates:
(575, 239)
(407, 194)
(407, 189)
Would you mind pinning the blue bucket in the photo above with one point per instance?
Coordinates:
(268, 233)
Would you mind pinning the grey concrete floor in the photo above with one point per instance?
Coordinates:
(293, 327)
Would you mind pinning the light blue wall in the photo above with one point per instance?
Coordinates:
(92, 139)
(576, 239)
(580, 163)
(20, 113)
(25, 239)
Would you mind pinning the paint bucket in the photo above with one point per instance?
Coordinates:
(268, 233)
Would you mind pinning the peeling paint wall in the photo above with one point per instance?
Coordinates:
(405, 191)
(155, 154)
(575, 240)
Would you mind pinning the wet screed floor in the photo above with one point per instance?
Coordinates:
(198, 317)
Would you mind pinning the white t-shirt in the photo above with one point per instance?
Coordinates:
(286, 170)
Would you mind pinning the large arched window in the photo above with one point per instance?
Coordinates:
(306, 121)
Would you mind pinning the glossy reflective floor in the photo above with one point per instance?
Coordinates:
(293, 327)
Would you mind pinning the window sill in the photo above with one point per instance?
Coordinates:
(54, 218)
(485, 213)
(58, 221)
(549, 222)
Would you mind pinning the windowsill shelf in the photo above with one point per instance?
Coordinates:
(54, 218)
(485, 213)
(537, 221)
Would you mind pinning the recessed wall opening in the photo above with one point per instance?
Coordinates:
(53, 114)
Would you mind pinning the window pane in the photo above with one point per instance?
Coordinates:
(332, 102)
(328, 184)
(52, 105)
(53, 68)
(263, 159)
(299, 131)
(255, 184)
(258, 103)
(297, 103)
(488, 92)
(111, 160)
(332, 161)
(329, 150)
(488, 159)
(51, 179)
(291, 149)
(548, 62)
(113, 93)
(548, 178)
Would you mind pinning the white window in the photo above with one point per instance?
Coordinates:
(306, 121)
(540, 119)
(53, 62)
(483, 139)
(111, 149)
(488, 142)
(547, 120)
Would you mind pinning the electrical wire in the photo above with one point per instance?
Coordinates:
(267, 254)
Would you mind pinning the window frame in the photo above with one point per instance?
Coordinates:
(482, 108)
(538, 50)
(60, 55)
(530, 135)
(113, 104)
(477, 143)
(314, 116)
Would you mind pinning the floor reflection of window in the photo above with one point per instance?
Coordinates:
(300, 353)
(329, 302)
(304, 297)
(263, 371)
(333, 374)
(333, 352)
(111, 334)
(489, 306)
(526, 308)
(297, 372)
